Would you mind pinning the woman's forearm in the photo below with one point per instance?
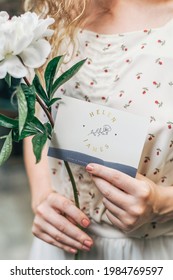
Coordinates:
(38, 174)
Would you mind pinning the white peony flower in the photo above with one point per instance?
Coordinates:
(23, 43)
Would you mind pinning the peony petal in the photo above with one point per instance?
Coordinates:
(2, 46)
(36, 54)
(3, 70)
(48, 33)
(21, 43)
(4, 16)
(41, 30)
(30, 17)
(15, 67)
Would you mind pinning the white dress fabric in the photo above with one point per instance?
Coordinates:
(132, 72)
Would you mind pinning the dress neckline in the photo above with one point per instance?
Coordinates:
(128, 33)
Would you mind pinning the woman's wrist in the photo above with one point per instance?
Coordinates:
(39, 197)
(163, 203)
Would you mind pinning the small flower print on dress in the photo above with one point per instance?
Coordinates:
(158, 151)
(163, 179)
(147, 159)
(54, 171)
(158, 103)
(121, 93)
(138, 76)
(87, 43)
(170, 125)
(143, 45)
(124, 48)
(152, 119)
(157, 84)
(156, 171)
(159, 61)
(161, 42)
(151, 136)
(147, 31)
(128, 104)
(171, 144)
(144, 90)
(97, 210)
(116, 78)
(89, 61)
(106, 69)
(107, 47)
(77, 85)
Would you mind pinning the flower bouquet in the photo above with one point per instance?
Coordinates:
(24, 47)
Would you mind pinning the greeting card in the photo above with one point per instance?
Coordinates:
(89, 133)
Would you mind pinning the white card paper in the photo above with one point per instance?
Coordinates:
(89, 133)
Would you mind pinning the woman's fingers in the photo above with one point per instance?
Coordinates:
(67, 207)
(129, 201)
(48, 239)
(61, 223)
(120, 218)
(113, 194)
(41, 227)
(126, 227)
(57, 217)
(114, 177)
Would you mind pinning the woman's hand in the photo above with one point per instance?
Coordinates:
(131, 202)
(56, 220)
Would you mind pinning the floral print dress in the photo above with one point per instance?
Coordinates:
(132, 72)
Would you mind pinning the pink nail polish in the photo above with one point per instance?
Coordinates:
(89, 168)
(85, 222)
(73, 251)
(88, 243)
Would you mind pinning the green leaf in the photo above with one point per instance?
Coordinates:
(8, 80)
(8, 122)
(51, 70)
(38, 142)
(53, 101)
(49, 129)
(27, 131)
(67, 76)
(3, 137)
(6, 149)
(30, 95)
(22, 107)
(40, 90)
(38, 125)
(31, 128)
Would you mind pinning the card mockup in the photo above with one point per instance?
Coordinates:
(89, 133)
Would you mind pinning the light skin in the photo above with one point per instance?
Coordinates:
(130, 202)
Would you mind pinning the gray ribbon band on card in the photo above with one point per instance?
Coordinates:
(83, 159)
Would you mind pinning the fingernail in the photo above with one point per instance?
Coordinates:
(86, 248)
(89, 168)
(74, 251)
(88, 243)
(85, 222)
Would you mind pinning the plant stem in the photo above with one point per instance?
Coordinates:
(41, 104)
(45, 110)
(75, 192)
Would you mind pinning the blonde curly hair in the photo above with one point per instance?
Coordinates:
(68, 15)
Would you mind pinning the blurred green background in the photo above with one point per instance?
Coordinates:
(15, 211)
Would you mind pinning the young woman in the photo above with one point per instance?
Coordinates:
(129, 51)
